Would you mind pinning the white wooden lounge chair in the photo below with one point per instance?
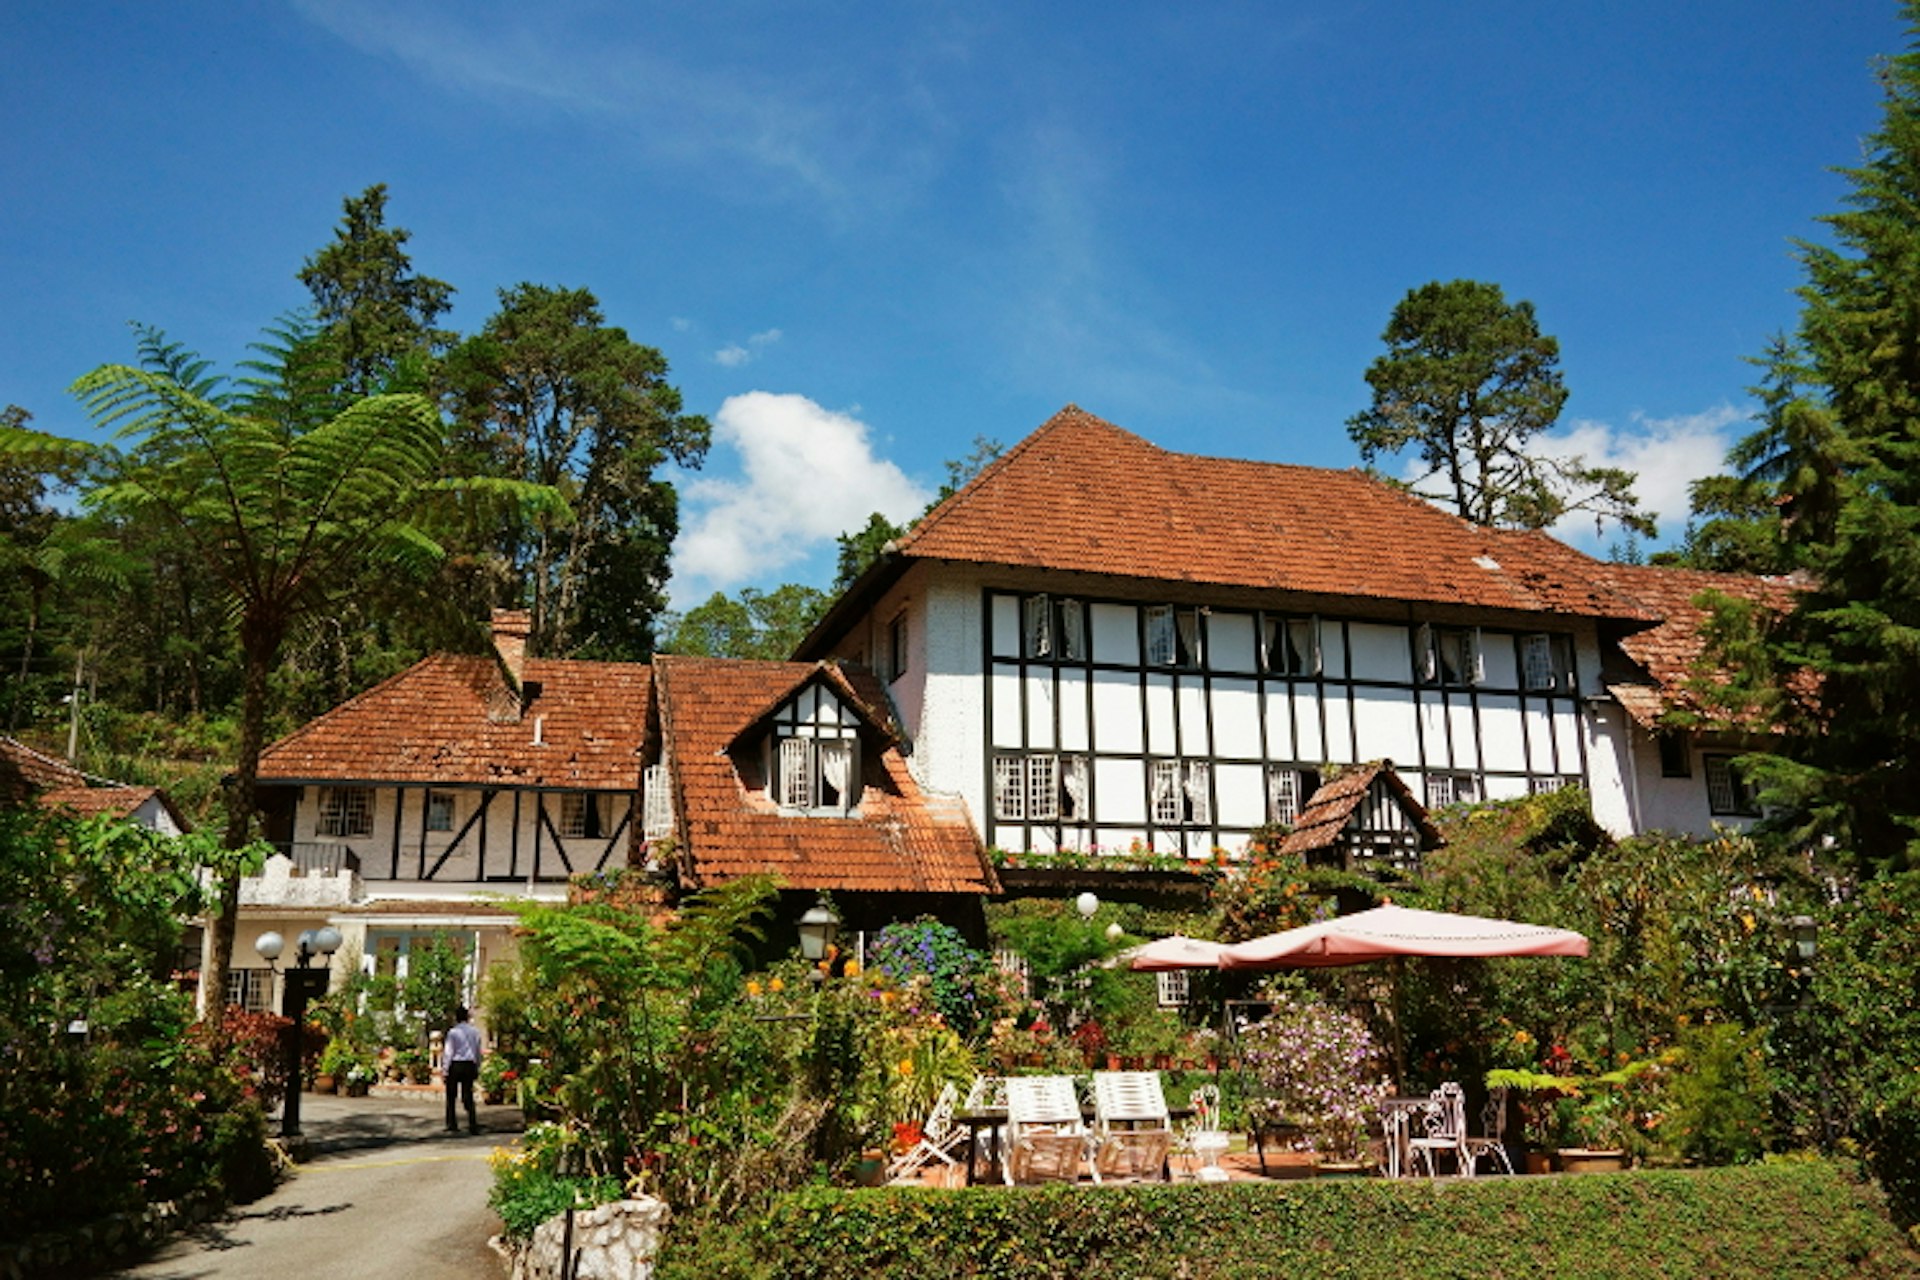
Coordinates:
(1132, 1130)
(939, 1138)
(1046, 1136)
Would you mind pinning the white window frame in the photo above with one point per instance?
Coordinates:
(1180, 792)
(250, 989)
(1036, 616)
(345, 812)
(1171, 988)
(1162, 647)
(802, 769)
(1163, 777)
(1285, 794)
(1443, 789)
(656, 803)
(1039, 788)
(1543, 785)
(574, 806)
(442, 808)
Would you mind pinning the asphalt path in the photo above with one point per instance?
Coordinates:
(383, 1194)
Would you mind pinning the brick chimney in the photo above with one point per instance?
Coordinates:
(511, 627)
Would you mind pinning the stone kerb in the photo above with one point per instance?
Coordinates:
(617, 1241)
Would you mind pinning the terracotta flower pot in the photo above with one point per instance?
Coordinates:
(1585, 1160)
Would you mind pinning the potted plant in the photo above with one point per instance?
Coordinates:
(1318, 1066)
(360, 1077)
(1546, 1106)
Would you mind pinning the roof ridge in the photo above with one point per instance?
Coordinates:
(1069, 415)
(67, 766)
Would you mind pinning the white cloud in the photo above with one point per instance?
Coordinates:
(733, 355)
(1666, 456)
(808, 474)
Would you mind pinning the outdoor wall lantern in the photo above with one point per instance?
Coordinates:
(304, 983)
(817, 929)
(1115, 932)
(1086, 904)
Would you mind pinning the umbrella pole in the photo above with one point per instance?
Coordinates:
(1396, 970)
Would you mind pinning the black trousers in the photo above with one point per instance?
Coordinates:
(460, 1078)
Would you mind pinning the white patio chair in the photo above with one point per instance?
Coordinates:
(1201, 1141)
(1441, 1126)
(939, 1137)
(1133, 1131)
(1046, 1136)
(1492, 1141)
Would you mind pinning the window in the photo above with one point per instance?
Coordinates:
(814, 773)
(439, 810)
(1676, 755)
(346, 811)
(1053, 629)
(1173, 636)
(897, 646)
(1040, 788)
(1546, 661)
(1182, 792)
(1444, 789)
(580, 816)
(250, 989)
(1727, 791)
(1546, 786)
(1288, 790)
(656, 804)
(1290, 646)
(1449, 655)
(1172, 987)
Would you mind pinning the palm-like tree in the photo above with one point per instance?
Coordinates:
(291, 497)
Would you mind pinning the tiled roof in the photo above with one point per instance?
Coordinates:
(25, 773)
(1667, 652)
(901, 841)
(117, 802)
(1082, 495)
(439, 722)
(1326, 814)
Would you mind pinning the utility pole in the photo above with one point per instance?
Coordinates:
(73, 709)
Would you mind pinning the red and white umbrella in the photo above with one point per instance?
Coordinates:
(1387, 931)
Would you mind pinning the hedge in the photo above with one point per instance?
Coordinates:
(1800, 1217)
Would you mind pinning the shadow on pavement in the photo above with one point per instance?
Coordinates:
(334, 1126)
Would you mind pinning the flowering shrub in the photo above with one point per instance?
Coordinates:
(1317, 1067)
(956, 973)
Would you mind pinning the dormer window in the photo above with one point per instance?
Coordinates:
(815, 774)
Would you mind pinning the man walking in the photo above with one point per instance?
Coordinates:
(461, 1065)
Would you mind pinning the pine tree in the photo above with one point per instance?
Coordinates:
(1839, 442)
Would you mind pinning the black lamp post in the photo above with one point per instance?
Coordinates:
(303, 984)
(1806, 945)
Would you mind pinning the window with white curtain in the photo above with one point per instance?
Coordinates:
(1073, 783)
(1449, 655)
(1289, 646)
(1038, 626)
(819, 774)
(1182, 792)
(1451, 788)
(1286, 794)
(1161, 645)
(1039, 788)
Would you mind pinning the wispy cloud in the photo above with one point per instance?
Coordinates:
(733, 355)
(727, 113)
(808, 474)
(1666, 456)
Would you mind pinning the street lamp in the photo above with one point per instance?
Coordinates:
(1086, 904)
(1806, 939)
(817, 929)
(302, 984)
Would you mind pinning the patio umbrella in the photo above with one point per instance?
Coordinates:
(1177, 952)
(1388, 931)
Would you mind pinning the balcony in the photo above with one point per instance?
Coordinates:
(314, 857)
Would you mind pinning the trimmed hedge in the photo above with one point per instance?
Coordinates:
(1799, 1217)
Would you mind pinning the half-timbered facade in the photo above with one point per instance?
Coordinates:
(1100, 644)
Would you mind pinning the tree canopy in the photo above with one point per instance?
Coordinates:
(1469, 382)
(1836, 454)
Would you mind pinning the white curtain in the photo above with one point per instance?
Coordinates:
(1039, 627)
(836, 768)
(1199, 799)
(1189, 621)
(1076, 784)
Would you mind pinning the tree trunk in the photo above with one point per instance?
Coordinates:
(259, 643)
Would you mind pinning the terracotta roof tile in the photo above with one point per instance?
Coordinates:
(117, 802)
(432, 724)
(1082, 495)
(901, 840)
(25, 773)
(1668, 651)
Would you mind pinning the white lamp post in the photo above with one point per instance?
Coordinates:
(303, 984)
(817, 929)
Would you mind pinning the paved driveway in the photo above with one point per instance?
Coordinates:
(384, 1195)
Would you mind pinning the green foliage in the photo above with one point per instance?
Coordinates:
(1800, 1218)
(139, 1109)
(1468, 380)
(436, 981)
(549, 394)
(859, 548)
(1717, 1104)
(955, 972)
(755, 624)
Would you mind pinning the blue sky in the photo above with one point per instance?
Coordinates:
(865, 234)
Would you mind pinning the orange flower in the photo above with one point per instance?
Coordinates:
(776, 985)
(753, 988)
(853, 969)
